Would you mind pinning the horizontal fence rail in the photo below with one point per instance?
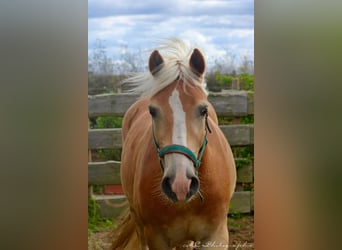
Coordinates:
(232, 103)
(237, 135)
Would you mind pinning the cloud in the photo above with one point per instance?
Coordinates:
(213, 25)
(104, 8)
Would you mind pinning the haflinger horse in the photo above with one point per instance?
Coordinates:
(177, 168)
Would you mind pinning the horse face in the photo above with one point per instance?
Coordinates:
(179, 118)
(182, 124)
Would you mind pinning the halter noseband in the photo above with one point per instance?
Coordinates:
(179, 149)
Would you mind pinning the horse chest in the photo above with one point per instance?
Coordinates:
(185, 228)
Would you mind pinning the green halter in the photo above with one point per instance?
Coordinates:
(179, 149)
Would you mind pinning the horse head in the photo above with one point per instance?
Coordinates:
(179, 123)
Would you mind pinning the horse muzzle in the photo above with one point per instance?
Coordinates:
(179, 183)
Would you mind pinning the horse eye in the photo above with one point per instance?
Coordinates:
(153, 111)
(204, 111)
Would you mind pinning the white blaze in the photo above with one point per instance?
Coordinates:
(179, 122)
(180, 164)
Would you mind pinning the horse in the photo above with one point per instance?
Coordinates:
(177, 168)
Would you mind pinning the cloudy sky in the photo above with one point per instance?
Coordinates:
(216, 26)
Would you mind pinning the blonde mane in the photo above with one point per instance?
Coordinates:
(176, 55)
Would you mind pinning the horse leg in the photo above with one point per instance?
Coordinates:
(218, 240)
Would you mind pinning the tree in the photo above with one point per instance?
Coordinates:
(247, 65)
(100, 71)
(100, 63)
(226, 64)
(130, 62)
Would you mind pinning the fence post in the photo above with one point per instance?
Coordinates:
(236, 84)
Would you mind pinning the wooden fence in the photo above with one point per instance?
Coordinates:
(235, 104)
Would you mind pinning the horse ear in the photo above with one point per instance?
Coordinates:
(197, 62)
(155, 62)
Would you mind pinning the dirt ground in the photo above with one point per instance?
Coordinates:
(241, 234)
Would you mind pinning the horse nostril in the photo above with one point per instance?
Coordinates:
(194, 187)
(166, 187)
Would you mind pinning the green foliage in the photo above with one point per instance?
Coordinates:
(249, 119)
(246, 81)
(224, 80)
(95, 222)
(97, 189)
(108, 122)
(235, 215)
(245, 155)
(244, 152)
(242, 162)
(248, 186)
(225, 120)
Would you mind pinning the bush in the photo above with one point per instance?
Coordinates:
(217, 81)
(108, 122)
(224, 81)
(95, 222)
(246, 81)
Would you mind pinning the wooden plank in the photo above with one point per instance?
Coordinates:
(104, 138)
(111, 206)
(237, 135)
(245, 173)
(241, 202)
(229, 103)
(101, 173)
(110, 104)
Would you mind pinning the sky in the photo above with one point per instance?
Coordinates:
(219, 27)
